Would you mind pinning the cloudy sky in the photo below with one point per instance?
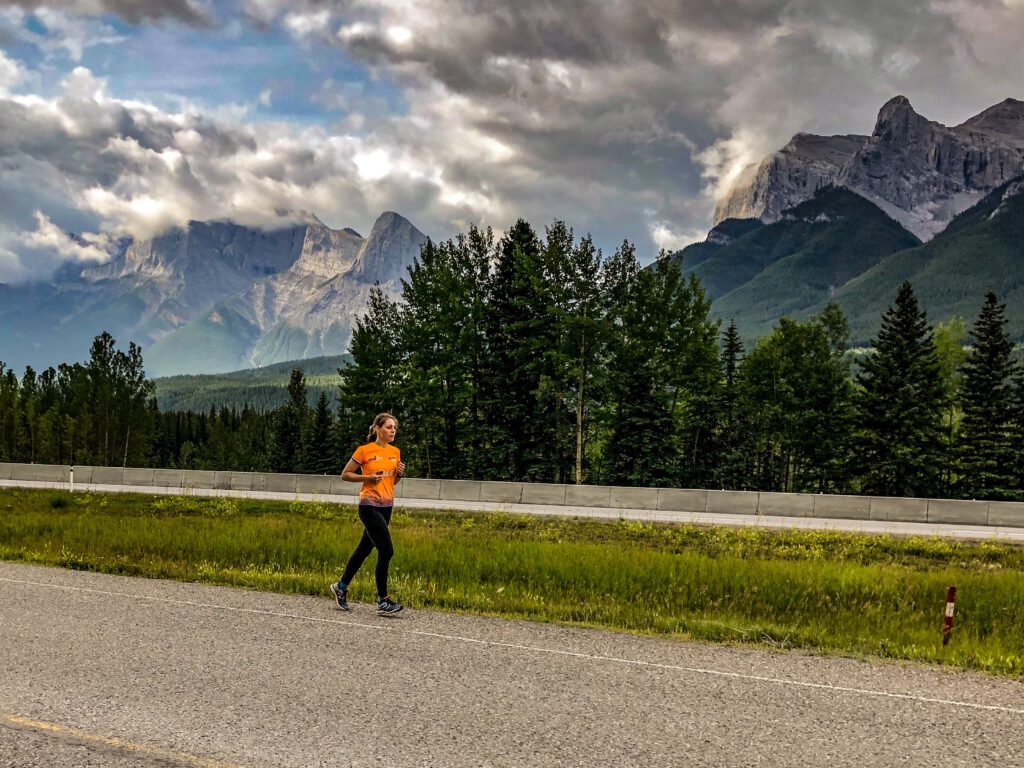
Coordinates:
(624, 118)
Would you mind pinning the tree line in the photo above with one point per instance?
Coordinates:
(535, 358)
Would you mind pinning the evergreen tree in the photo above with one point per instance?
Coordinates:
(583, 338)
(289, 427)
(733, 469)
(950, 340)
(370, 383)
(442, 340)
(662, 355)
(900, 405)
(797, 399)
(320, 454)
(518, 335)
(985, 442)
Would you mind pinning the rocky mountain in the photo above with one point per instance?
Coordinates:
(759, 272)
(839, 246)
(788, 177)
(213, 296)
(981, 249)
(918, 171)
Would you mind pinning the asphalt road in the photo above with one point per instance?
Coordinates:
(108, 671)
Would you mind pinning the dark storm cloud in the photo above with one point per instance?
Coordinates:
(132, 11)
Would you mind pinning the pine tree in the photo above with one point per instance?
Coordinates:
(663, 372)
(320, 453)
(583, 338)
(518, 333)
(370, 383)
(950, 340)
(900, 404)
(985, 446)
(289, 427)
(797, 402)
(733, 466)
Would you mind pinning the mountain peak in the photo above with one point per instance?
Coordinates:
(897, 121)
(1004, 120)
(392, 245)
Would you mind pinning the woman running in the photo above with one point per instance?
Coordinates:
(378, 466)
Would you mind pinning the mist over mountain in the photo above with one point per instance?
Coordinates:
(919, 172)
(849, 218)
(212, 296)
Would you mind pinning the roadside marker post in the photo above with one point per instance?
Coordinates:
(947, 622)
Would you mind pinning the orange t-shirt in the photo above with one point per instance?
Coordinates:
(373, 459)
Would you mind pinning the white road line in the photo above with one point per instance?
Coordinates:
(537, 649)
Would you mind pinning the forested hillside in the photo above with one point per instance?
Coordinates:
(537, 358)
(262, 389)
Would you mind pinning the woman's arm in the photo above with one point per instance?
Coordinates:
(349, 473)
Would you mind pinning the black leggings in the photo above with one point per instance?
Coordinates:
(376, 521)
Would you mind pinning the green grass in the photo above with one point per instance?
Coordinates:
(823, 591)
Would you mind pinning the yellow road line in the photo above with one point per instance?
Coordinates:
(107, 741)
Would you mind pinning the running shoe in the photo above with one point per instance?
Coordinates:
(341, 595)
(388, 607)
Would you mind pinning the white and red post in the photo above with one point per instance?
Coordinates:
(947, 622)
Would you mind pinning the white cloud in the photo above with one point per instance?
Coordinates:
(624, 119)
(11, 73)
(49, 237)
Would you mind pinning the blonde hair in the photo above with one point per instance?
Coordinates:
(378, 421)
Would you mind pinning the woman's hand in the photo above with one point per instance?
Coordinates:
(400, 469)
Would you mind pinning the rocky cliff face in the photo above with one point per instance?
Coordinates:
(918, 171)
(923, 173)
(213, 296)
(309, 309)
(788, 177)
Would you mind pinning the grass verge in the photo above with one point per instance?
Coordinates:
(823, 591)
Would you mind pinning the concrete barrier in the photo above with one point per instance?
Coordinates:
(51, 473)
(341, 487)
(732, 502)
(202, 478)
(501, 493)
(682, 500)
(276, 483)
(133, 476)
(899, 510)
(634, 498)
(318, 484)
(543, 493)
(1007, 513)
(460, 490)
(588, 496)
(107, 476)
(842, 507)
(957, 511)
(175, 478)
(241, 481)
(25, 472)
(664, 503)
(785, 504)
(415, 488)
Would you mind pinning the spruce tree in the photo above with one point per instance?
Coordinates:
(321, 455)
(732, 466)
(370, 383)
(518, 337)
(899, 445)
(289, 427)
(796, 392)
(985, 446)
